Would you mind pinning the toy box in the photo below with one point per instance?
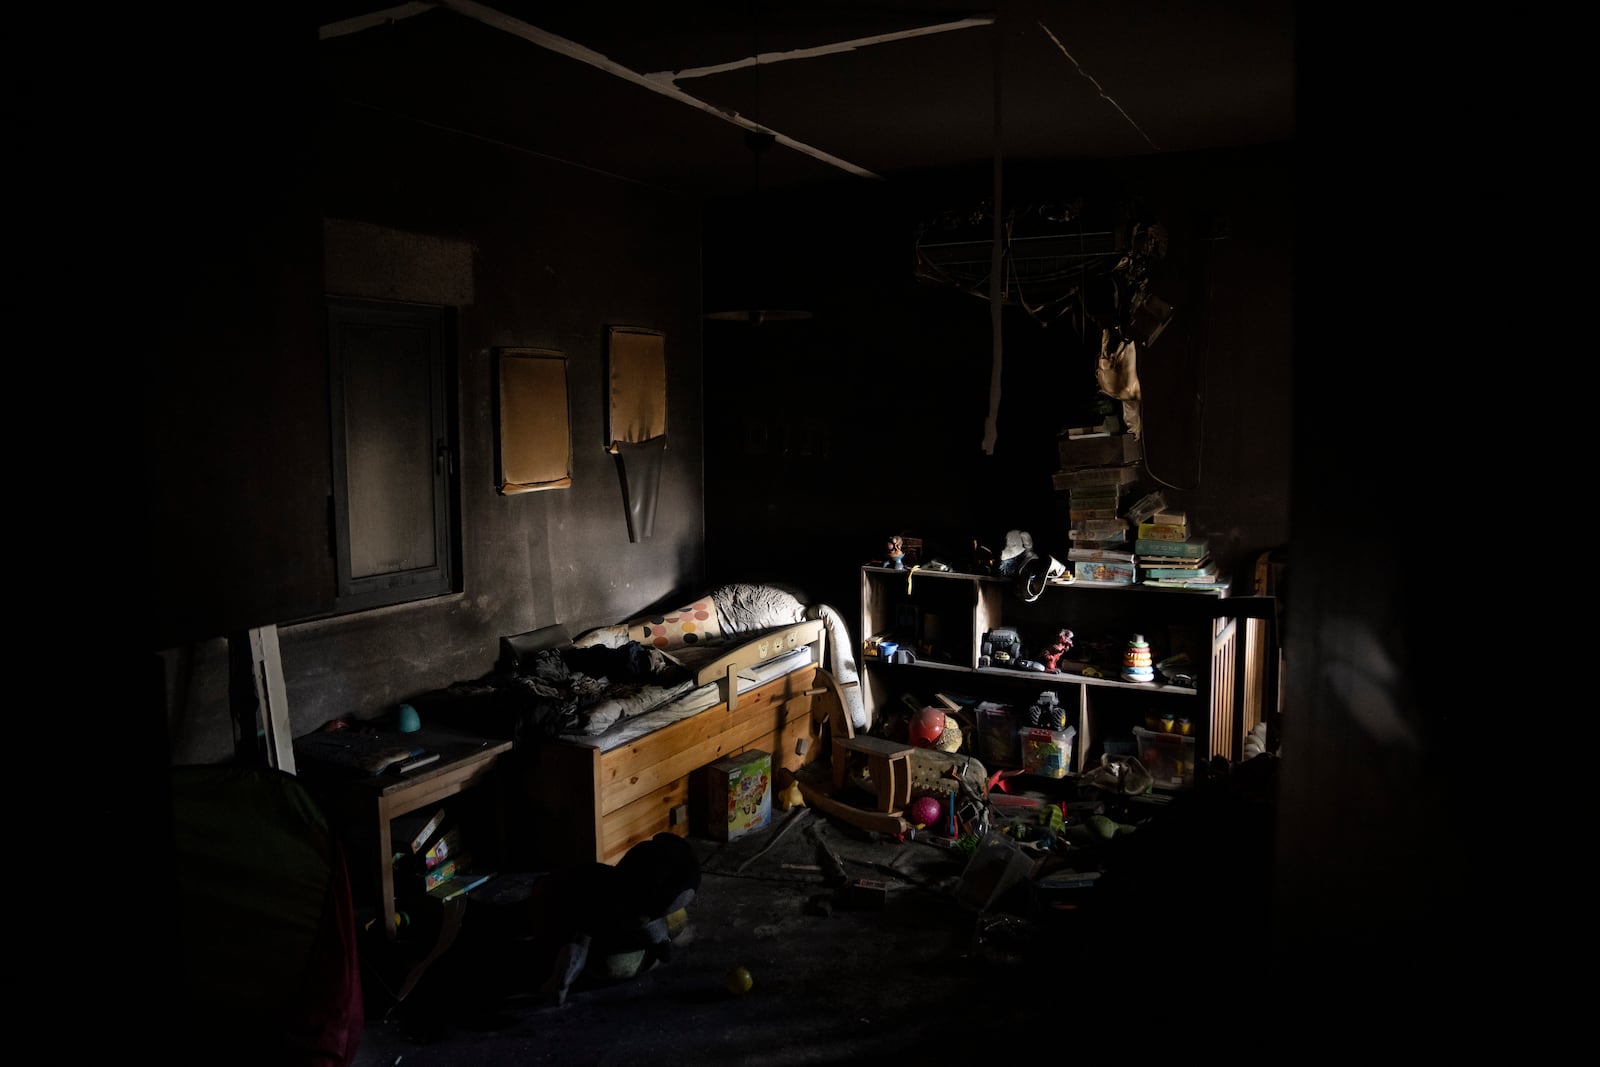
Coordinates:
(1168, 757)
(741, 786)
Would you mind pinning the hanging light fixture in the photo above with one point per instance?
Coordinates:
(748, 289)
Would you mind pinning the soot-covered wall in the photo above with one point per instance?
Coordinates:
(529, 252)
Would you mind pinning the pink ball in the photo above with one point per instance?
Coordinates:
(925, 811)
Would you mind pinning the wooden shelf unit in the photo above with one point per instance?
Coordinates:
(944, 615)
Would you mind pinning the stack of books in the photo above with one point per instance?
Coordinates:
(1170, 555)
(1099, 466)
(446, 865)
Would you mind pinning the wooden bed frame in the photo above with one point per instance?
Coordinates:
(595, 805)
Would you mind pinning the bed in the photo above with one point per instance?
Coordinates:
(614, 725)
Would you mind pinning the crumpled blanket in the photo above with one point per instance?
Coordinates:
(566, 691)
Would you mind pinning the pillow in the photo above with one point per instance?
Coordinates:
(692, 624)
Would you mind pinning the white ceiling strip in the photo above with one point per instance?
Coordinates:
(572, 50)
(377, 18)
(818, 50)
(1097, 88)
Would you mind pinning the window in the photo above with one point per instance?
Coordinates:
(395, 520)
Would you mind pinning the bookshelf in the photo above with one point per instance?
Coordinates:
(943, 617)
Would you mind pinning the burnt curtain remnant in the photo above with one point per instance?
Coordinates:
(638, 421)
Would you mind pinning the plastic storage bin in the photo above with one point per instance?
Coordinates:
(1047, 752)
(1168, 757)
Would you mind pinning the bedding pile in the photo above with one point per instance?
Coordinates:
(740, 609)
(566, 691)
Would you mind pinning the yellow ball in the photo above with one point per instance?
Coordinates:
(739, 980)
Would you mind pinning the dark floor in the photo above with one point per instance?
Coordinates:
(946, 962)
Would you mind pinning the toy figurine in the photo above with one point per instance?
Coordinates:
(896, 559)
(1051, 654)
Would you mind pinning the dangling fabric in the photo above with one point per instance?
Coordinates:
(640, 467)
(1117, 374)
(638, 421)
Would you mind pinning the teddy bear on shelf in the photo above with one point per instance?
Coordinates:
(1051, 654)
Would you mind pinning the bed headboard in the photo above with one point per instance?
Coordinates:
(514, 648)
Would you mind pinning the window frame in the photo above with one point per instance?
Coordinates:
(441, 577)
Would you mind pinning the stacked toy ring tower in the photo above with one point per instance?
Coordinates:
(1136, 665)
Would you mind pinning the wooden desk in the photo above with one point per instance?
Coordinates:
(372, 801)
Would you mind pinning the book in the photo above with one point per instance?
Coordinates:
(1205, 573)
(1099, 528)
(418, 759)
(1163, 531)
(1193, 548)
(1095, 476)
(1090, 514)
(1095, 496)
(461, 883)
(1174, 561)
(1120, 544)
(353, 752)
(447, 847)
(1104, 555)
(443, 873)
(1145, 507)
(1087, 540)
(1176, 518)
(1104, 571)
(426, 833)
(1216, 588)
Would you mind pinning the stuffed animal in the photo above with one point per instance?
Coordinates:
(596, 911)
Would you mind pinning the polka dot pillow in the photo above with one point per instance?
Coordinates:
(692, 624)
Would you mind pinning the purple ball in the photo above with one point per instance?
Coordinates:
(925, 811)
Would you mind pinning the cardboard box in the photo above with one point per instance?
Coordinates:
(741, 787)
(1099, 451)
